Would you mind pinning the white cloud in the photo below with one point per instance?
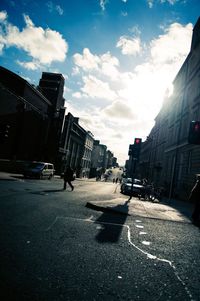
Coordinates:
(103, 4)
(124, 14)
(119, 110)
(87, 61)
(96, 88)
(171, 2)
(43, 45)
(59, 10)
(29, 65)
(129, 46)
(172, 46)
(52, 7)
(150, 3)
(75, 71)
(105, 64)
(3, 16)
(77, 95)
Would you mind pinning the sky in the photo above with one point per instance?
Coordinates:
(118, 57)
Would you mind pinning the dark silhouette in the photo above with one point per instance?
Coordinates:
(68, 177)
(112, 221)
(195, 197)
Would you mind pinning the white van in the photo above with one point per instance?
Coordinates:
(39, 170)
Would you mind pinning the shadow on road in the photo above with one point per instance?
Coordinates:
(53, 190)
(111, 224)
(45, 192)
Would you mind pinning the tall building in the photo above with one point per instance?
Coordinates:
(168, 159)
(25, 110)
(52, 86)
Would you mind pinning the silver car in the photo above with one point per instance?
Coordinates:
(131, 186)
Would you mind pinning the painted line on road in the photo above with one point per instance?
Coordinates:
(149, 255)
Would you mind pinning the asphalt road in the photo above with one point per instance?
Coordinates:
(55, 248)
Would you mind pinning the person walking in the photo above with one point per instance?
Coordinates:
(195, 196)
(68, 177)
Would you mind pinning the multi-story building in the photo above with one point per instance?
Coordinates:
(114, 162)
(34, 116)
(173, 162)
(76, 146)
(52, 86)
(26, 111)
(108, 161)
(87, 155)
(72, 144)
(98, 160)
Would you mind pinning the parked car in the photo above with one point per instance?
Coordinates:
(131, 188)
(39, 170)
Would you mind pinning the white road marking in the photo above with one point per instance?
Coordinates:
(146, 243)
(149, 255)
(139, 226)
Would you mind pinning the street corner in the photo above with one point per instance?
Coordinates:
(162, 211)
(135, 207)
(118, 205)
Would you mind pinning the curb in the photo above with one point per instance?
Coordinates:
(104, 209)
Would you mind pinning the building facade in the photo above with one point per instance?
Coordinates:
(52, 87)
(72, 144)
(76, 146)
(87, 155)
(173, 162)
(34, 119)
(98, 159)
(26, 111)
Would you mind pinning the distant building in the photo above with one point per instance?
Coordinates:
(114, 162)
(98, 159)
(108, 159)
(76, 146)
(87, 155)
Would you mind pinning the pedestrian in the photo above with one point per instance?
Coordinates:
(195, 197)
(68, 177)
(116, 181)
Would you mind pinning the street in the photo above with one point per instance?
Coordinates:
(55, 247)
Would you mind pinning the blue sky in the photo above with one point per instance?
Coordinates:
(118, 57)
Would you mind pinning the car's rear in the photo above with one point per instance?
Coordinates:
(131, 187)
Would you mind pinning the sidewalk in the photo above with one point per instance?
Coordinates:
(9, 176)
(170, 210)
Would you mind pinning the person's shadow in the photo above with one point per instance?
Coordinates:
(111, 224)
